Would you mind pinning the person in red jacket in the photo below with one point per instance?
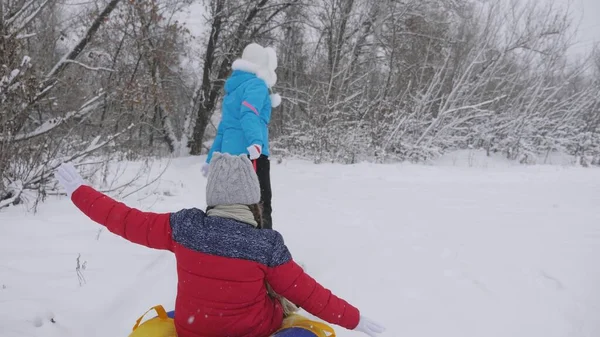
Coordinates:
(225, 262)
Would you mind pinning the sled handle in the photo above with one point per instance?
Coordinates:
(162, 314)
(324, 327)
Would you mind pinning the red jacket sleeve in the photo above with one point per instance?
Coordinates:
(149, 229)
(291, 282)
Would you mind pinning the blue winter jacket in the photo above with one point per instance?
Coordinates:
(246, 113)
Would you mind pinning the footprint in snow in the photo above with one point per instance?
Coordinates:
(47, 317)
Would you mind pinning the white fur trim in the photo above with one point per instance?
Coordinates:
(271, 58)
(275, 100)
(264, 74)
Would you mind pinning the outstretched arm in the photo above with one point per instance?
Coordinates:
(152, 230)
(289, 280)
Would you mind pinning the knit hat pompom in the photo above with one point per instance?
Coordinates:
(231, 181)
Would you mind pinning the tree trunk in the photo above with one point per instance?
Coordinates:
(206, 106)
(210, 91)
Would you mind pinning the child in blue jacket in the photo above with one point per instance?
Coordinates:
(246, 113)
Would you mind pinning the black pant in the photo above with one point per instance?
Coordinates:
(263, 170)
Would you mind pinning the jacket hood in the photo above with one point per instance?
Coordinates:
(244, 71)
(236, 79)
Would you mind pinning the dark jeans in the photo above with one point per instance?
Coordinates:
(263, 170)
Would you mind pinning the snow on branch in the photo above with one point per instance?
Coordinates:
(7, 202)
(6, 82)
(94, 145)
(28, 19)
(22, 36)
(25, 36)
(43, 172)
(50, 78)
(89, 67)
(474, 107)
(51, 124)
(12, 19)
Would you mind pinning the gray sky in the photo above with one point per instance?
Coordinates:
(586, 15)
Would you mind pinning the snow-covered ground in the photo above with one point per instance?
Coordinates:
(466, 247)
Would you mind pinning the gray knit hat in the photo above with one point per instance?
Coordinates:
(231, 180)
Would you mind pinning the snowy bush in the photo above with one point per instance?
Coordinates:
(361, 80)
(436, 77)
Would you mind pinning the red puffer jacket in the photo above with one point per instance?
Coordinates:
(222, 267)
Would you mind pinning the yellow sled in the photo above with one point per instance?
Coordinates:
(160, 326)
(293, 326)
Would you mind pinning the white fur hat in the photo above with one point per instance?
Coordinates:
(256, 54)
(262, 62)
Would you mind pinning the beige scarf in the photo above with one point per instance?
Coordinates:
(236, 212)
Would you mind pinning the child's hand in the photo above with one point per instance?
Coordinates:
(254, 151)
(68, 178)
(369, 327)
(204, 170)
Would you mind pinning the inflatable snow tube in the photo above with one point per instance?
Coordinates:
(160, 326)
(163, 325)
(299, 326)
(295, 332)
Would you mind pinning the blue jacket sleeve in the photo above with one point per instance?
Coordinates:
(216, 145)
(252, 102)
